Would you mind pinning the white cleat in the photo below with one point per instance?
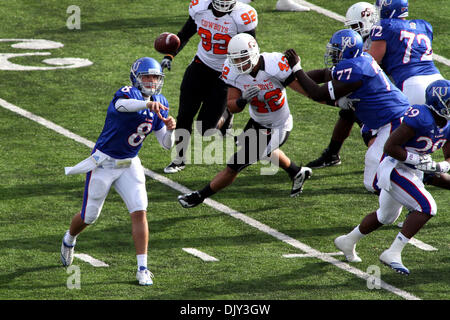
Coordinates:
(394, 261)
(290, 5)
(66, 253)
(348, 248)
(144, 276)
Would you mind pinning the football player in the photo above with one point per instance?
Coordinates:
(260, 81)
(134, 112)
(424, 130)
(404, 49)
(202, 90)
(360, 17)
(357, 82)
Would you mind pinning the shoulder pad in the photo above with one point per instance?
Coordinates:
(245, 16)
(196, 6)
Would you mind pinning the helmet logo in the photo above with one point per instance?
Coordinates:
(366, 12)
(386, 2)
(440, 91)
(252, 44)
(136, 65)
(348, 42)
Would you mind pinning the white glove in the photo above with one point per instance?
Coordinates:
(434, 167)
(416, 159)
(346, 103)
(250, 92)
(166, 62)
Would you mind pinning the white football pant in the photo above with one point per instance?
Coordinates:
(414, 87)
(407, 189)
(128, 182)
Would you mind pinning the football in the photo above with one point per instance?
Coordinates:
(167, 43)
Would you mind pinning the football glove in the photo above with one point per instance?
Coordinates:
(250, 92)
(346, 103)
(434, 167)
(166, 62)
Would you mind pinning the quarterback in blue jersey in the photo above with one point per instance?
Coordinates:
(134, 112)
(357, 82)
(424, 130)
(404, 49)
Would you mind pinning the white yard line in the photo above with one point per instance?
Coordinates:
(421, 245)
(200, 254)
(87, 258)
(340, 18)
(307, 255)
(223, 208)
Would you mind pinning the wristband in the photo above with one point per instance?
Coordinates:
(297, 67)
(241, 103)
(412, 158)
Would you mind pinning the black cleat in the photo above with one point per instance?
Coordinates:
(190, 200)
(174, 167)
(325, 160)
(299, 180)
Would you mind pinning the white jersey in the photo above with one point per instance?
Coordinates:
(270, 107)
(216, 32)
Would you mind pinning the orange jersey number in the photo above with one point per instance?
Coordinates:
(283, 66)
(249, 17)
(193, 3)
(273, 100)
(221, 41)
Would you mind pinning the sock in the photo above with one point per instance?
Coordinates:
(355, 235)
(292, 170)
(206, 192)
(334, 147)
(69, 239)
(141, 261)
(399, 243)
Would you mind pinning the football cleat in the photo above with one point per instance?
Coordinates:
(190, 200)
(299, 180)
(348, 248)
(144, 276)
(394, 261)
(290, 5)
(66, 253)
(325, 160)
(174, 167)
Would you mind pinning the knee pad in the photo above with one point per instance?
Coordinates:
(387, 217)
(91, 214)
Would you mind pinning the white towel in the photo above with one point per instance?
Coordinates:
(87, 164)
(384, 172)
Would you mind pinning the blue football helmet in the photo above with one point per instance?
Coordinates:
(147, 66)
(437, 97)
(344, 44)
(388, 9)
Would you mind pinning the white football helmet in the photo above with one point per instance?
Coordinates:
(224, 5)
(243, 53)
(360, 17)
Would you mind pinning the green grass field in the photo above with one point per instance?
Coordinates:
(37, 201)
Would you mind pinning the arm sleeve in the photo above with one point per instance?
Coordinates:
(188, 30)
(166, 138)
(130, 105)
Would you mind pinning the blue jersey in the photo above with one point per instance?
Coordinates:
(124, 132)
(380, 101)
(408, 48)
(429, 137)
